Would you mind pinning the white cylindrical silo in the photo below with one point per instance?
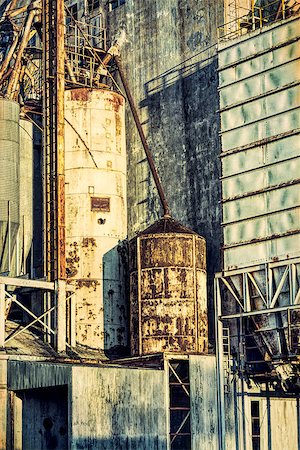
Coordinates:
(96, 214)
(26, 191)
(9, 184)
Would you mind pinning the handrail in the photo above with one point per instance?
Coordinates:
(256, 17)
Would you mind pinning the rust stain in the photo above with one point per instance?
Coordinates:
(88, 242)
(118, 125)
(87, 282)
(116, 102)
(173, 309)
(81, 94)
(72, 261)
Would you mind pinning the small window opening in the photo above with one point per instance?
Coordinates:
(73, 14)
(255, 421)
(92, 5)
(113, 4)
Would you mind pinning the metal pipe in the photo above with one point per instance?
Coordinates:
(2, 315)
(9, 235)
(9, 55)
(12, 86)
(70, 70)
(12, 6)
(160, 190)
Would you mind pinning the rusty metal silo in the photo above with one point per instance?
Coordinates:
(168, 300)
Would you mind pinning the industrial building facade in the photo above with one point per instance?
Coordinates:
(149, 225)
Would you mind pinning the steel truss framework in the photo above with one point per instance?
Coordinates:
(264, 294)
(179, 403)
(56, 320)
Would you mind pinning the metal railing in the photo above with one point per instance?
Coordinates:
(257, 15)
(84, 43)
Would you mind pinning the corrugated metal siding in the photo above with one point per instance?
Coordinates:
(118, 408)
(9, 182)
(32, 375)
(260, 124)
(204, 409)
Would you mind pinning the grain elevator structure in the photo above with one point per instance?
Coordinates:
(149, 225)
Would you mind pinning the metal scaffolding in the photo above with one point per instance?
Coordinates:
(257, 329)
(244, 16)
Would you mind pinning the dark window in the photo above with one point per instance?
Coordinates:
(100, 204)
(92, 5)
(72, 14)
(179, 389)
(255, 420)
(115, 3)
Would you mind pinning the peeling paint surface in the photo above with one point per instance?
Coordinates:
(204, 417)
(132, 405)
(96, 168)
(168, 294)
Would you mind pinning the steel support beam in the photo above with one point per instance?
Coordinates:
(2, 315)
(24, 282)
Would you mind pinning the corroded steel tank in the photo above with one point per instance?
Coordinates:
(26, 191)
(9, 184)
(96, 213)
(168, 300)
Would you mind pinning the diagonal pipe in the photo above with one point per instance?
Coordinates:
(147, 150)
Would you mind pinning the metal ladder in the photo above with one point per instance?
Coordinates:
(53, 139)
(226, 359)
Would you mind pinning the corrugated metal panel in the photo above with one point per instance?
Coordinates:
(256, 131)
(132, 406)
(260, 123)
(9, 182)
(284, 424)
(260, 41)
(32, 375)
(204, 409)
(269, 64)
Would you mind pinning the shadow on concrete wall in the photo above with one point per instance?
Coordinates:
(120, 442)
(184, 129)
(116, 300)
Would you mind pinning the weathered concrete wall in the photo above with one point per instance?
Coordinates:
(204, 410)
(118, 408)
(177, 104)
